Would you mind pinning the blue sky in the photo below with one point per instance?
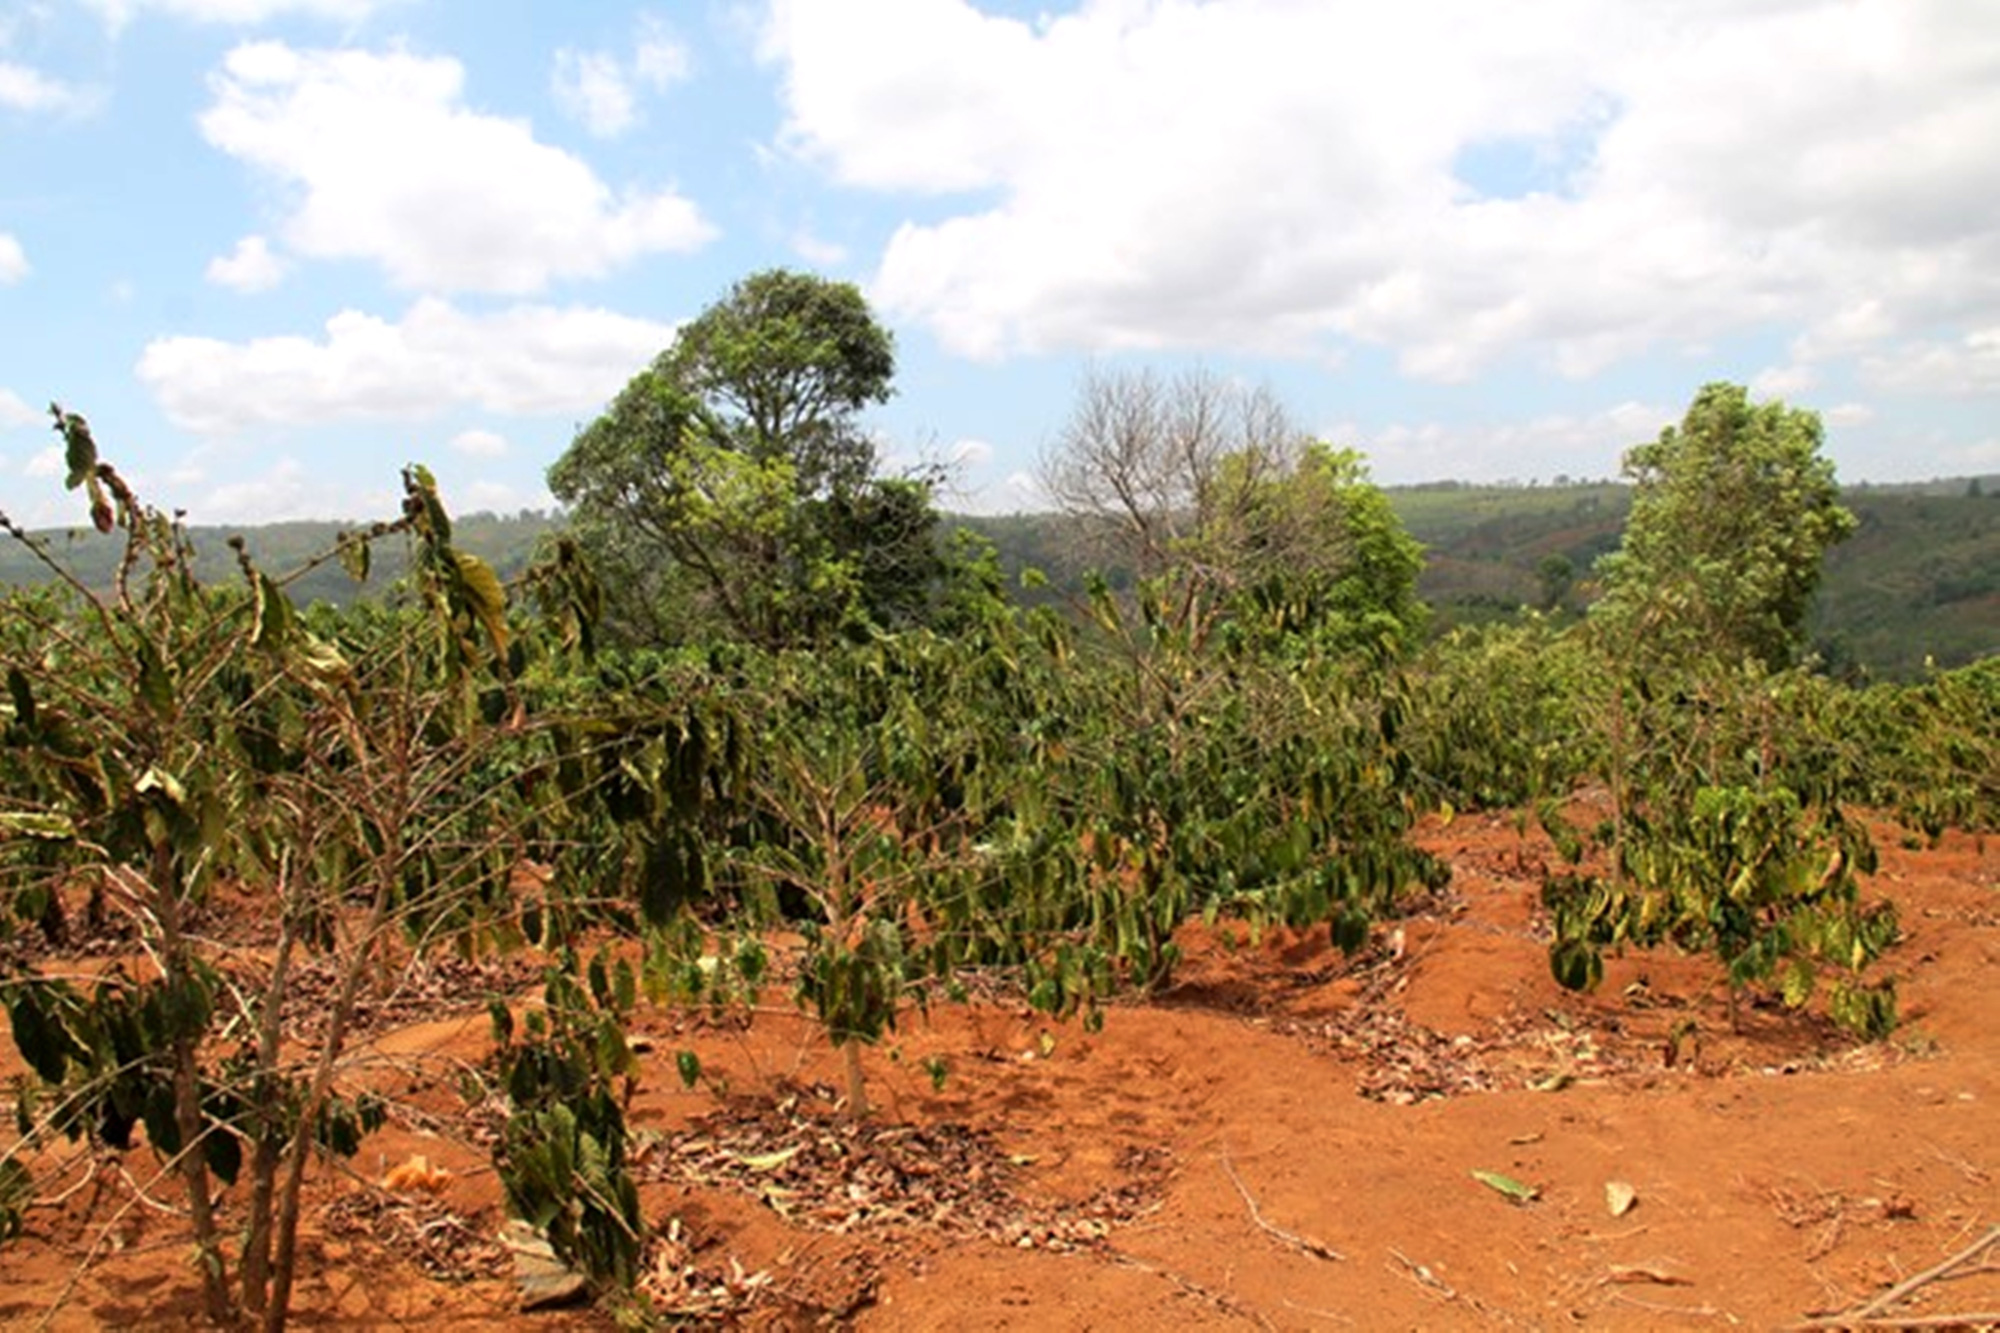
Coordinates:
(277, 248)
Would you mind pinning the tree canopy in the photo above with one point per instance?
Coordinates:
(1314, 551)
(730, 487)
(1207, 482)
(1732, 515)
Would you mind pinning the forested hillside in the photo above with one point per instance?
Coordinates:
(1919, 580)
(506, 543)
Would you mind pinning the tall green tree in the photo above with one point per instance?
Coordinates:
(1312, 551)
(730, 487)
(1732, 515)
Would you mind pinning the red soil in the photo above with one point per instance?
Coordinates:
(1204, 1158)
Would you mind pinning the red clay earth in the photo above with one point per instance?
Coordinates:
(1285, 1139)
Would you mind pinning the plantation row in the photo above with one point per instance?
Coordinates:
(1031, 795)
(872, 748)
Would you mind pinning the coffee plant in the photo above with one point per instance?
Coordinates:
(174, 735)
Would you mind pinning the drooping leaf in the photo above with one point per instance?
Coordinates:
(275, 617)
(485, 596)
(79, 447)
(356, 552)
(23, 698)
(156, 686)
(1576, 965)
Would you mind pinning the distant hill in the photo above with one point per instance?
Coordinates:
(506, 543)
(1920, 580)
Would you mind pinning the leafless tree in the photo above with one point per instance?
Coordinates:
(1139, 462)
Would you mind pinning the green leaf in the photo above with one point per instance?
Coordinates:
(689, 1065)
(1798, 982)
(356, 551)
(1507, 1185)
(79, 448)
(275, 616)
(24, 699)
(1576, 965)
(1350, 930)
(156, 686)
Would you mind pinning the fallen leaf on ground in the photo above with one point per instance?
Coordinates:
(1507, 1185)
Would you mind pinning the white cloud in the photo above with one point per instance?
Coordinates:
(383, 160)
(250, 267)
(480, 444)
(590, 87)
(529, 360)
(817, 252)
(47, 463)
(969, 453)
(1279, 177)
(25, 89)
(117, 13)
(1783, 381)
(13, 260)
(600, 89)
(1969, 365)
(15, 413)
(1019, 493)
(282, 491)
(1579, 446)
(660, 59)
(499, 498)
(1849, 414)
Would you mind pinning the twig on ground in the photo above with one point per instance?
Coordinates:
(1335, 1315)
(1991, 1317)
(1653, 1273)
(1659, 1307)
(1874, 1313)
(1220, 1300)
(1424, 1277)
(1304, 1244)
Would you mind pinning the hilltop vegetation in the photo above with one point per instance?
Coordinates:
(1918, 582)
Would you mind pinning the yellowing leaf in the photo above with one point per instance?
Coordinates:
(33, 824)
(159, 780)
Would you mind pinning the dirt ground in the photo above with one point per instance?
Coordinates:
(1286, 1139)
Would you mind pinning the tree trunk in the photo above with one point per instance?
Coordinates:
(165, 892)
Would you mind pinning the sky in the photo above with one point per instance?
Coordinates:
(277, 249)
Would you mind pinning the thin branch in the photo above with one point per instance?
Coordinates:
(1219, 1300)
(1872, 1313)
(1304, 1244)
